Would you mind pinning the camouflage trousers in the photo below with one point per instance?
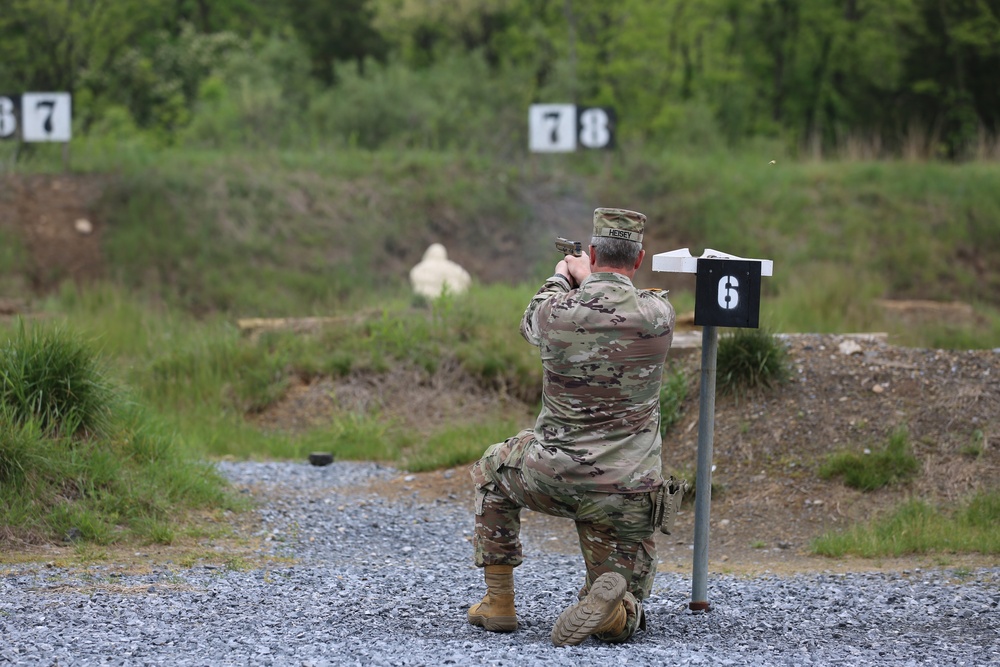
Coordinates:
(615, 530)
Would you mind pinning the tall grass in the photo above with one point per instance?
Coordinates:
(204, 376)
(49, 376)
(750, 359)
(80, 461)
(916, 527)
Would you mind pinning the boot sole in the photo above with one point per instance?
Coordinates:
(579, 621)
(494, 623)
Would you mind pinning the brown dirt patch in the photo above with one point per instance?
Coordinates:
(847, 393)
(420, 400)
(43, 211)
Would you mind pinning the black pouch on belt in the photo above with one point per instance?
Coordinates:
(666, 503)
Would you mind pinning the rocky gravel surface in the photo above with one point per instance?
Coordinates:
(356, 577)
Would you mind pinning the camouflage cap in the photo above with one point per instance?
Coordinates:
(619, 223)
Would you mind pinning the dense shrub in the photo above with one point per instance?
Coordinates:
(750, 359)
(49, 376)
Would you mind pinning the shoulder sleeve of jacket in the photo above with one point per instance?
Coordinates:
(660, 298)
(557, 284)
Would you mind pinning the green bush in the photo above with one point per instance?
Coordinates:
(893, 464)
(446, 105)
(50, 376)
(750, 359)
(78, 460)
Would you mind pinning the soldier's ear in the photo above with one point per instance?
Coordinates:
(593, 258)
(638, 262)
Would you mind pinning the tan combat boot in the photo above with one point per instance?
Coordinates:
(601, 612)
(496, 611)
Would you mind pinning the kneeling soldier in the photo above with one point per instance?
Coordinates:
(594, 453)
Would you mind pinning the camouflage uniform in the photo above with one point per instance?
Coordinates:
(594, 453)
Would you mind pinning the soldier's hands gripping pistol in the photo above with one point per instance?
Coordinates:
(568, 247)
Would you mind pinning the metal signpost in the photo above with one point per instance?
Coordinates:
(727, 293)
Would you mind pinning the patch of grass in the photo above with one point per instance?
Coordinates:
(916, 527)
(976, 445)
(828, 297)
(458, 445)
(205, 377)
(673, 391)
(52, 377)
(66, 475)
(892, 464)
(355, 436)
(980, 332)
(750, 359)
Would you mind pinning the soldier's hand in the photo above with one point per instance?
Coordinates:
(575, 268)
(562, 268)
(579, 268)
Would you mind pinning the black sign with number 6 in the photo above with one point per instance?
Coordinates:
(727, 293)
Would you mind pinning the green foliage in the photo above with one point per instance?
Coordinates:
(448, 106)
(205, 377)
(916, 527)
(79, 463)
(50, 376)
(240, 98)
(700, 75)
(828, 297)
(336, 32)
(982, 511)
(750, 359)
(458, 445)
(355, 436)
(893, 464)
(673, 391)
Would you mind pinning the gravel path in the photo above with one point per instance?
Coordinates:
(386, 581)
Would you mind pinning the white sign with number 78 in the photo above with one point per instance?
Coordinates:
(562, 128)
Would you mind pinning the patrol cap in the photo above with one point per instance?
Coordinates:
(619, 223)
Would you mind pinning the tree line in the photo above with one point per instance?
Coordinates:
(891, 76)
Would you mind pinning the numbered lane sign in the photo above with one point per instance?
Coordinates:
(8, 116)
(727, 293)
(46, 117)
(560, 128)
(596, 128)
(552, 128)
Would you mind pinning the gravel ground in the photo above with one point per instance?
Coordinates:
(386, 581)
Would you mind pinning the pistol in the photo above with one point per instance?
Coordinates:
(568, 247)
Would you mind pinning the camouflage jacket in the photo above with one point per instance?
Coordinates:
(602, 347)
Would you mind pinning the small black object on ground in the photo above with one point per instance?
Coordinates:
(321, 458)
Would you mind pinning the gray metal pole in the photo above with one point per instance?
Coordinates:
(703, 480)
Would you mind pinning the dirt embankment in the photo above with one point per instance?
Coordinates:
(846, 393)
